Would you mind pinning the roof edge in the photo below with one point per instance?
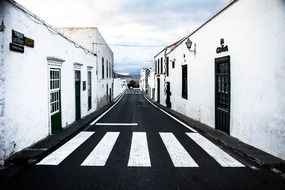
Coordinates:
(230, 3)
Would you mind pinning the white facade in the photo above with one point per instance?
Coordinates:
(120, 85)
(90, 38)
(160, 78)
(25, 87)
(253, 31)
(151, 84)
(142, 83)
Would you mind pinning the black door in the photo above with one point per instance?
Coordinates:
(222, 94)
(110, 96)
(77, 95)
(168, 94)
(158, 90)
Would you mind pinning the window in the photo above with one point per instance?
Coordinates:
(54, 91)
(111, 73)
(89, 78)
(161, 65)
(184, 82)
(155, 67)
(158, 66)
(167, 66)
(107, 69)
(173, 64)
(102, 67)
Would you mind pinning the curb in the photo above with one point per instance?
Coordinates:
(250, 153)
(32, 154)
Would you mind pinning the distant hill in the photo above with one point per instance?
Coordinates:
(131, 75)
(117, 75)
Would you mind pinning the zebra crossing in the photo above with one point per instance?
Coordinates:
(133, 91)
(139, 155)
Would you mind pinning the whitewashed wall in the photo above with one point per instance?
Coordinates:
(254, 31)
(25, 117)
(91, 38)
(151, 84)
(107, 53)
(142, 83)
(2, 88)
(120, 85)
(162, 79)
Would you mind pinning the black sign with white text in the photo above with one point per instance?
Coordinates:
(17, 48)
(18, 38)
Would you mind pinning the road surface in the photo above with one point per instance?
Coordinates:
(135, 145)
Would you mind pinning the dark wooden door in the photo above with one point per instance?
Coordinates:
(168, 94)
(222, 94)
(158, 90)
(77, 95)
(55, 100)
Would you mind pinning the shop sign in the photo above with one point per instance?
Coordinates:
(29, 42)
(222, 48)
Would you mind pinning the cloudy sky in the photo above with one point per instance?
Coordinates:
(154, 23)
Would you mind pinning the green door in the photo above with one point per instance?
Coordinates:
(55, 100)
(77, 95)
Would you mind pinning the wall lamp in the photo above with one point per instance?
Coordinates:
(189, 44)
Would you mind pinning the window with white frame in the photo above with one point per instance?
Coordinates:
(54, 90)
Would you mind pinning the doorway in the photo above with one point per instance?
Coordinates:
(168, 94)
(222, 94)
(77, 95)
(158, 90)
(55, 99)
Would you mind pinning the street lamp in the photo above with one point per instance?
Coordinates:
(189, 44)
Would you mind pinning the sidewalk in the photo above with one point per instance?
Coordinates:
(31, 155)
(248, 152)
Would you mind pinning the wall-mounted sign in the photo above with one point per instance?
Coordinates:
(17, 48)
(29, 42)
(223, 48)
(17, 38)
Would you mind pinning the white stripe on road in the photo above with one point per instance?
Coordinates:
(62, 152)
(118, 124)
(139, 154)
(100, 154)
(93, 122)
(182, 123)
(177, 152)
(214, 151)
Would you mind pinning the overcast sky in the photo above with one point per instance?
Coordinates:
(142, 22)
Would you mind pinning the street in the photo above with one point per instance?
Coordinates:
(135, 145)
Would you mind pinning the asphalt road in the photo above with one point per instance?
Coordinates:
(137, 146)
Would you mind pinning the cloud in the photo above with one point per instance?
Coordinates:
(148, 22)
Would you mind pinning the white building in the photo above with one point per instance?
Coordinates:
(120, 85)
(232, 76)
(47, 81)
(143, 82)
(90, 38)
(151, 84)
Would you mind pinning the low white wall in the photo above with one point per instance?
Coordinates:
(253, 31)
(120, 85)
